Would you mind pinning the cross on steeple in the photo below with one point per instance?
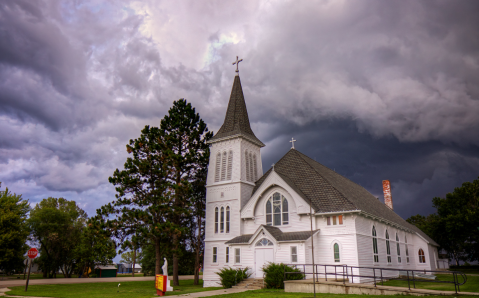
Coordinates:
(237, 64)
(292, 142)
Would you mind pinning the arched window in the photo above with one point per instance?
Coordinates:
(398, 248)
(388, 248)
(216, 220)
(422, 258)
(230, 165)
(407, 251)
(277, 210)
(336, 252)
(246, 158)
(227, 219)
(264, 242)
(255, 169)
(251, 174)
(222, 221)
(218, 167)
(375, 246)
(223, 167)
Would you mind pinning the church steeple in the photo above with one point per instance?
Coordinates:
(236, 120)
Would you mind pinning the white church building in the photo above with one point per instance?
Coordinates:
(254, 218)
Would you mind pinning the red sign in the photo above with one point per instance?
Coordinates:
(32, 253)
(160, 284)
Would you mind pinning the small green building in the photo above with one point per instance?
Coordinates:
(105, 270)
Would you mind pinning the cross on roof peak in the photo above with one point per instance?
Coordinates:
(237, 64)
(292, 142)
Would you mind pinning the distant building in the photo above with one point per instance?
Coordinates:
(127, 268)
(106, 270)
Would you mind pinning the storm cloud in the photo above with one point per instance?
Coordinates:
(372, 89)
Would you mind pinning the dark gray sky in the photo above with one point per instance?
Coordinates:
(372, 89)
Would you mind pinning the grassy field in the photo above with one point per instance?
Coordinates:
(133, 289)
(472, 284)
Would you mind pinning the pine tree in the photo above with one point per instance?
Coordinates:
(185, 135)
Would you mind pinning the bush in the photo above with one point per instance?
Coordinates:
(274, 275)
(230, 277)
(93, 275)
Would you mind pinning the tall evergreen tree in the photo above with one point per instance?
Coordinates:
(185, 135)
(13, 231)
(143, 195)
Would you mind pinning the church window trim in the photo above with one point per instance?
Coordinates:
(230, 165)
(422, 256)
(375, 246)
(216, 219)
(222, 220)
(398, 248)
(263, 242)
(246, 155)
(223, 166)
(336, 253)
(388, 248)
(227, 219)
(334, 220)
(407, 250)
(218, 167)
(294, 254)
(277, 210)
(237, 255)
(215, 254)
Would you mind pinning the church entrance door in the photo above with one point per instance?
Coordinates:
(262, 257)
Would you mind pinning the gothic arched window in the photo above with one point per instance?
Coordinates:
(398, 248)
(246, 159)
(422, 257)
(222, 221)
(223, 167)
(407, 250)
(264, 242)
(227, 219)
(336, 252)
(216, 219)
(218, 167)
(277, 210)
(388, 249)
(375, 246)
(230, 165)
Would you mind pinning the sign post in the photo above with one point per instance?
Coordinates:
(160, 284)
(32, 254)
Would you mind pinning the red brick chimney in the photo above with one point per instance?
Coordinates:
(388, 200)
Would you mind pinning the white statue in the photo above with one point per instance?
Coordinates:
(165, 267)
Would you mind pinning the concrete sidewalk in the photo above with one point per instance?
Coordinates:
(213, 293)
(59, 281)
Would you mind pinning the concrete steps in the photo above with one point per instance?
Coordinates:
(250, 284)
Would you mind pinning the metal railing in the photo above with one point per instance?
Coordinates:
(375, 274)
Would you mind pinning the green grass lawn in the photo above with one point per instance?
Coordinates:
(472, 284)
(33, 276)
(466, 270)
(130, 289)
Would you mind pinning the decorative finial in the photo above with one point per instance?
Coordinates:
(237, 64)
(273, 167)
(292, 142)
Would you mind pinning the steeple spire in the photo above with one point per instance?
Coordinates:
(236, 120)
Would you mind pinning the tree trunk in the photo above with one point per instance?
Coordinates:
(134, 262)
(175, 260)
(158, 256)
(197, 252)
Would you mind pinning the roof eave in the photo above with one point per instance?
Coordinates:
(238, 135)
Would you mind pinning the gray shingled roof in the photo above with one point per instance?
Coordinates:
(276, 233)
(236, 119)
(329, 191)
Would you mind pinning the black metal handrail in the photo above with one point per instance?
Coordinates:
(347, 272)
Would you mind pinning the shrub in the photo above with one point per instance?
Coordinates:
(93, 275)
(274, 275)
(230, 276)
